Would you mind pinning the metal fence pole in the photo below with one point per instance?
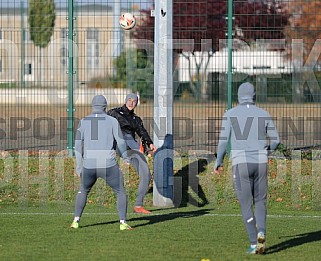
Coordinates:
(230, 59)
(163, 104)
(22, 65)
(230, 53)
(70, 110)
(117, 34)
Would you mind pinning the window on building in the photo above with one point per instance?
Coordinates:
(92, 52)
(64, 48)
(0, 66)
(28, 69)
(26, 35)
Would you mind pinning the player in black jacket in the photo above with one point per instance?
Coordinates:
(131, 124)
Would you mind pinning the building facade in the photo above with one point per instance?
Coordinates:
(94, 48)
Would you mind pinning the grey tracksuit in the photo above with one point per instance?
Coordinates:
(95, 155)
(131, 124)
(252, 135)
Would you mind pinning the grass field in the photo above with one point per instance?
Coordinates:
(37, 201)
(184, 234)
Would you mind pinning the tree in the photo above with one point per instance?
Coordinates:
(199, 20)
(41, 19)
(305, 22)
(133, 70)
(304, 47)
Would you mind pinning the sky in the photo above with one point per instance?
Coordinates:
(125, 3)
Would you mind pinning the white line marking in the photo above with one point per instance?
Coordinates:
(158, 214)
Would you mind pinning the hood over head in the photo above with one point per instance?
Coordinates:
(246, 93)
(99, 103)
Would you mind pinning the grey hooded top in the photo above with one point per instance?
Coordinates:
(250, 130)
(94, 142)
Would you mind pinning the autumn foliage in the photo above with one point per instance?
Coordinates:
(208, 20)
(305, 24)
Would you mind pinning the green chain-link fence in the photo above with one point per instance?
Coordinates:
(77, 47)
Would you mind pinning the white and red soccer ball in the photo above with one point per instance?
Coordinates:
(127, 21)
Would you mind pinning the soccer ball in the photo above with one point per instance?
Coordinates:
(127, 21)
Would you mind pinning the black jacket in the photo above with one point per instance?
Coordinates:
(130, 123)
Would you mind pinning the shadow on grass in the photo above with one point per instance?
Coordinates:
(296, 240)
(187, 178)
(153, 219)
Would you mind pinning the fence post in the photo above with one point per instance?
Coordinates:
(230, 53)
(230, 58)
(70, 109)
(22, 64)
(163, 104)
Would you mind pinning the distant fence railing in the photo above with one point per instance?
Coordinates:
(52, 96)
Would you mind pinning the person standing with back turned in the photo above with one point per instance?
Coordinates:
(95, 158)
(131, 124)
(248, 128)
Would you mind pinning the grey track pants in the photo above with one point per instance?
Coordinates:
(113, 177)
(251, 186)
(138, 161)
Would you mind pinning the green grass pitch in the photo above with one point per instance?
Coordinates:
(188, 233)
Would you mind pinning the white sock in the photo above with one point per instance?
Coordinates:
(76, 219)
(253, 246)
(122, 221)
